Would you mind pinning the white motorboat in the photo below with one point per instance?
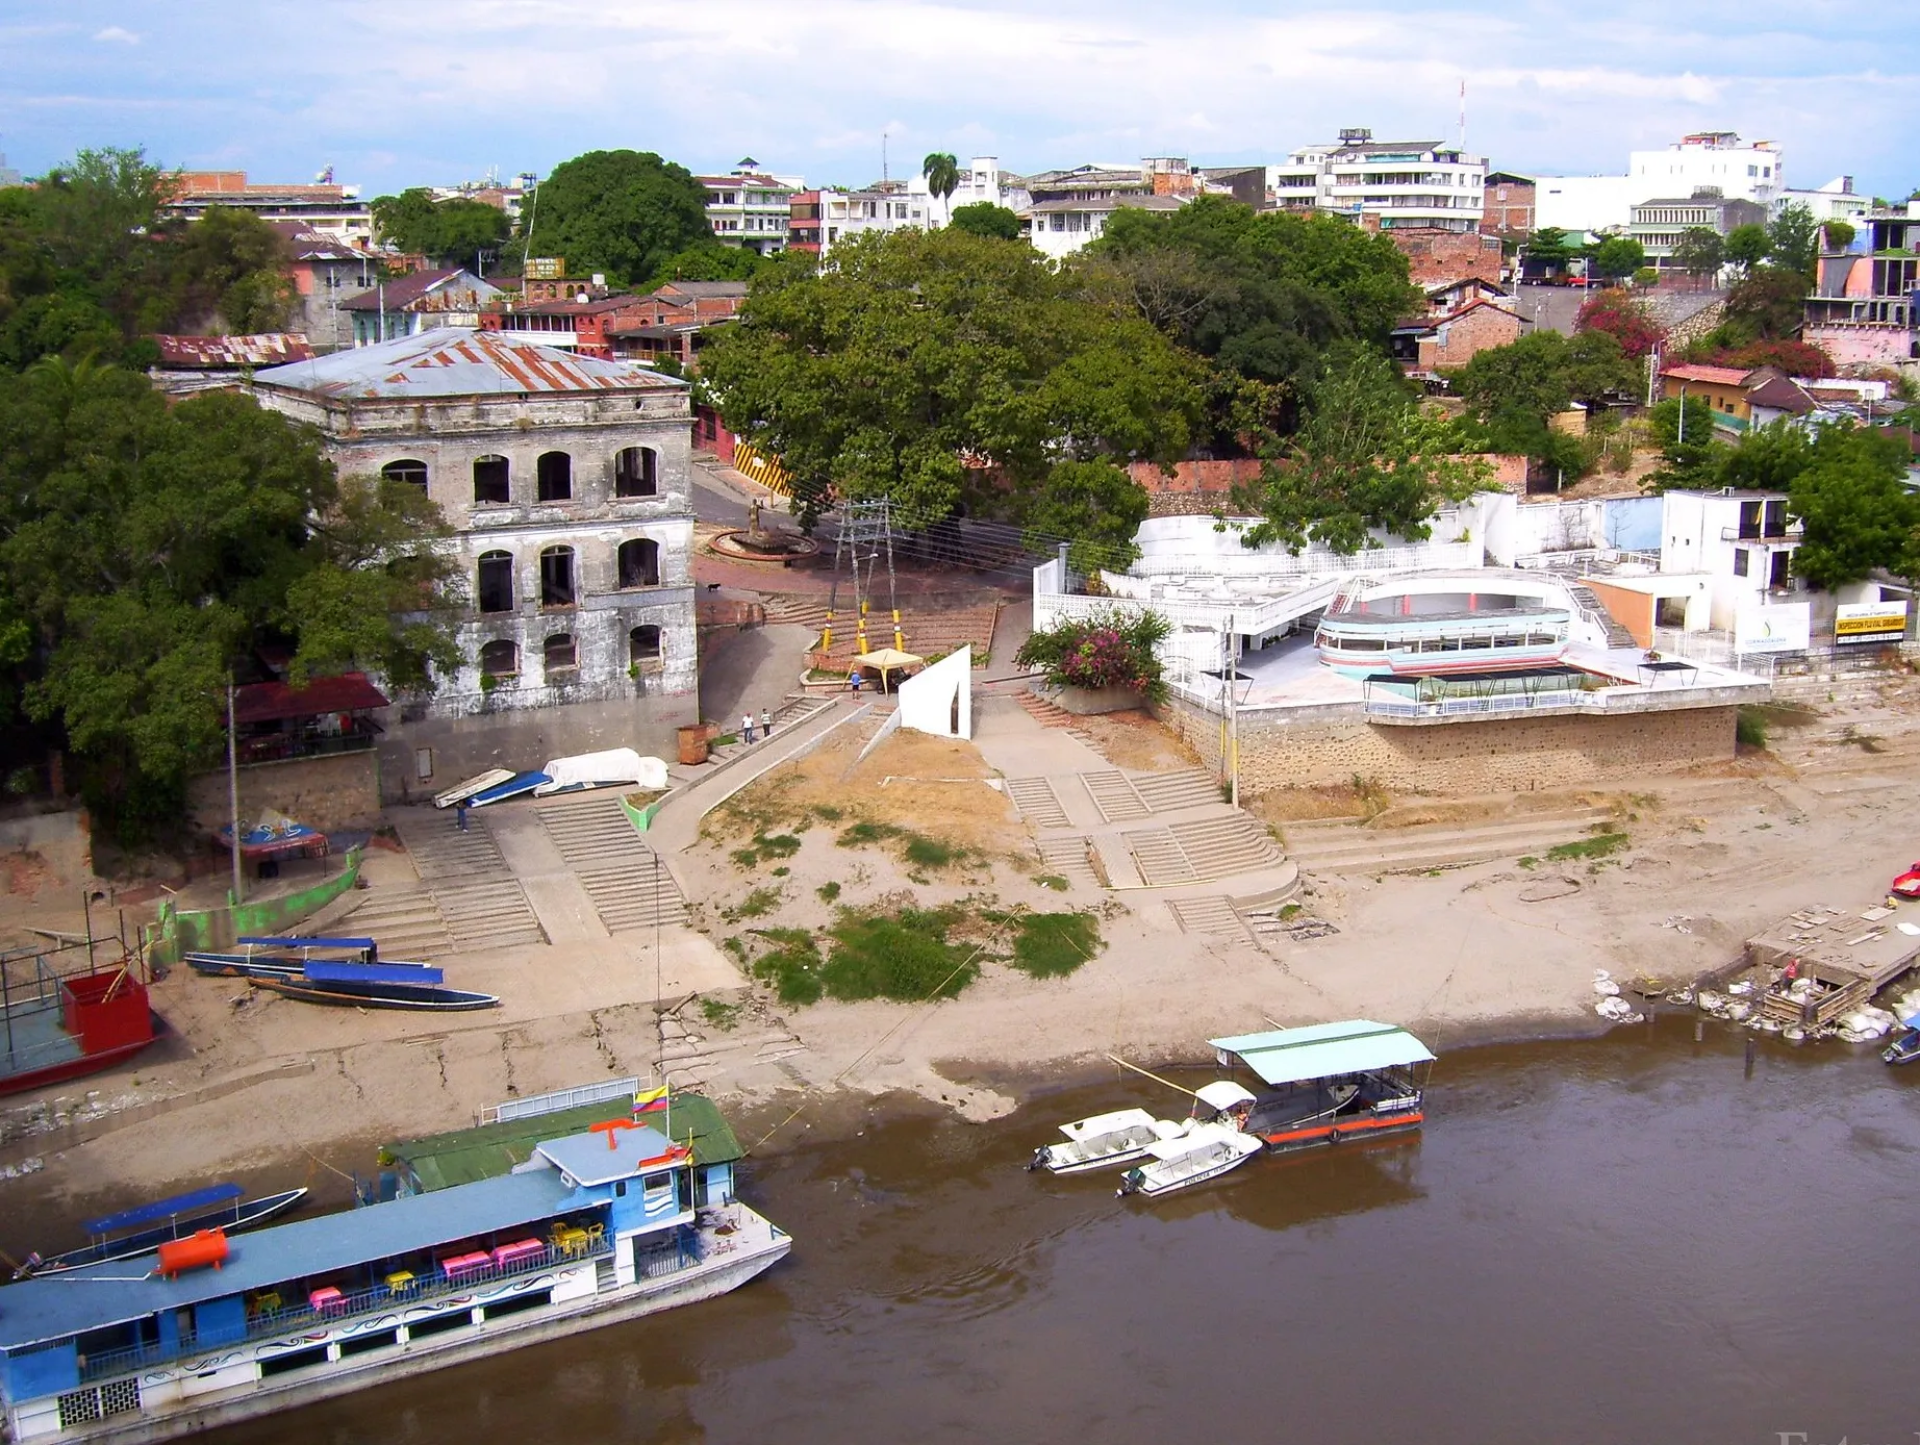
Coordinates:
(1104, 1140)
(1203, 1152)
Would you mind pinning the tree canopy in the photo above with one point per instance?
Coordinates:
(1616, 312)
(947, 370)
(984, 218)
(458, 231)
(1747, 246)
(1766, 304)
(1793, 239)
(1701, 251)
(1858, 514)
(618, 213)
(1618, 257)
(90, 264)
(1549, 248)
(147, 547)
(942, 172)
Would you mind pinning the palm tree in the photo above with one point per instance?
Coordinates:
(943, 175)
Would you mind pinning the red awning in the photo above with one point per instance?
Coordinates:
(260, 702)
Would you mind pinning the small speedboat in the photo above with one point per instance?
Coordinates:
(1104, 1140)
(1904, 1048)
(1206, 1151)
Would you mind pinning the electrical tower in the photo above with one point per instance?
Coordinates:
(866, 536)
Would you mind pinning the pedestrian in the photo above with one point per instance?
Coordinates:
(460, 815)
(766, 722)
(746, 728)
(853, 681)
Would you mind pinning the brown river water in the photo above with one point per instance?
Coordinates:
(1626, 1239)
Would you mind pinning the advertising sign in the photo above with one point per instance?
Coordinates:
(1776, 627)
(546, 268)
(1859, 622)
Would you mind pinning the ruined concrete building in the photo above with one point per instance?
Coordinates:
(566, 482)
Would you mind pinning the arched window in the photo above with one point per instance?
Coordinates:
(555, 473)
(640, 563)
(636, 472)
(643, 645)
(490, 476)
(495, 592)
(499, 659)
(407, 469)
(556, 577)
(559, 654)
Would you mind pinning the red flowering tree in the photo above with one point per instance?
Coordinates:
(1111, 650)
(1796, 358)
(1621, 317)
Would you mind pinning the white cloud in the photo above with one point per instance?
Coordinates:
(117, 33)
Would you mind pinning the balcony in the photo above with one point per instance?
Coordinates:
(1762, 532)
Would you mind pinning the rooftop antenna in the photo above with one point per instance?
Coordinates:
(883, 160)
(1463, 115)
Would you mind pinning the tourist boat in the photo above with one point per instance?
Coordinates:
(56, 1026)
(1103, 1141)
(371, 986)
(1203, 1152)
(1904, 1047)
(218, 1206)
(1331, 1082)
(595, 1227)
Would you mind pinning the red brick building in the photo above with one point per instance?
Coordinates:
(1509, 212)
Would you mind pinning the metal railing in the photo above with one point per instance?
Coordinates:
(1785, 532)
(1506, 702)
(1424, 556)
(267, 1323)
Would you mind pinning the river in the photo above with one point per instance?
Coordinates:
(1626, 1239)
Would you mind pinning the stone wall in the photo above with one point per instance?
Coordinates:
(331, 793)
(1434, 256)
(1456, 340)
(1313, 746)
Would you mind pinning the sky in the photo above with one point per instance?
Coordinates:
(393, 93)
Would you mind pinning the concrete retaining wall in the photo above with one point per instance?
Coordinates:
(334, 792)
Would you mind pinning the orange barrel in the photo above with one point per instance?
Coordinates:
(196, 1251)
(693, 745)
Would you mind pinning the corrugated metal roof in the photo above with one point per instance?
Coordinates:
(1320, 1051)
(269, 348)
(1711, 375)
(457, 361)
(271, 701)
(56, 1306)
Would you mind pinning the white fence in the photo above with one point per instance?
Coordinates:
(1588, 561)
(532, 1108)
(1417, 557)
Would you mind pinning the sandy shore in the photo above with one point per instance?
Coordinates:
(271, 1088)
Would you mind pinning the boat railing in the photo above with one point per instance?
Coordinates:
(290, 1319)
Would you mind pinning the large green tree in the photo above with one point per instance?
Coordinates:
(1793, 239)
(944, 369)
(458, 231)
(1748, 245)
(1858, 513)
(1768, 303)
(984, 218)
(1366, 458)
(149, 547)
(618, 213)
(1701, 251)
(942, 172)
(1618, 257)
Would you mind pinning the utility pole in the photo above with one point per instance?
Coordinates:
(233, 797)
(1233, 713)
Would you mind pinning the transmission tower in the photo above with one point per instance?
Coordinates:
(866, 537)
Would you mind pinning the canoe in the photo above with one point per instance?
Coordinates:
(220, 1206)
(377, 995)
(513, 787)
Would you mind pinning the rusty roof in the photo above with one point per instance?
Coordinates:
(1710, 375)
(419, 290)
(213, 352)
(458, 361)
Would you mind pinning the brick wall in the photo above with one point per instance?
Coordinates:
(1196, 476)
(1435, 256)
(1316, 746)
(1457, 340)
(329, 793)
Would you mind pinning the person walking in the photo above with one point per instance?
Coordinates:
(746, 728)
(766, 722)
(460, 815)
(853, 681)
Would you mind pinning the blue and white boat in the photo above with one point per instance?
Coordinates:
(593, 1228)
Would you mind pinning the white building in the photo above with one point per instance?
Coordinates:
(1068, 208)
(749, 208)
(1717, 160)
(981, 181)
(1059, 228)
(1835, 201)
(1585, 205)
(1406, 184)
(846, 214)
(1741, 541)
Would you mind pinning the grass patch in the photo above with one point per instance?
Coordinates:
(1750, 728)
(1529, 861)
(765, 846)
(791, 964)
(1601, 845)
(925, 852)
(1053, 945)
(828, 813)
(756, 903)
(861, 834)
(720, 1014)
(828, 891)
(1053, 881)
(734, 944)
(781, 872)
(903, 956)
(919, 850)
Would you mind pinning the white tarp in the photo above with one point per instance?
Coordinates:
(617, 767)
(939, 699)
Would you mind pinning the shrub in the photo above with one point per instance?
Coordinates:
(1750, 728)
(1052, 945)
(791, 965)
(1114, 649)
(905, 957)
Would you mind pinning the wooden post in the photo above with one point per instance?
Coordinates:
(233, 797)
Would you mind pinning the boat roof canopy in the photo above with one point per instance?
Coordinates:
(1319, 1051)
(1223, 1094)
(164, 1209)
(318, 972)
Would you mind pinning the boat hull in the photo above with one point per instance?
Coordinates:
(214, 1408)
(1044, 1158)
(77, 1068)
(429, 997)
(1336, 1131)
(1148, 1187)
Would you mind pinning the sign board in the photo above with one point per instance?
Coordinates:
(1775, 627)
(1861, 622)
(546, 268)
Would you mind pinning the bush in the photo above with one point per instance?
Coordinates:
(791, 965)
(904, 957)
(1052, 945)
(1114, 649)
(1750, 728)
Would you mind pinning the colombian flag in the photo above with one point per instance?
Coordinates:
(648, 1100)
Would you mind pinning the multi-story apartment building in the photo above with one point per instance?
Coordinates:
(1716, 159)
(1068, 208)
(749, 208)
(566, 483)
(1865, 310)
(324, 206)
(1402, 184)
(817, 221)
(1835, 201)
(1658, 224)
(1509, 207)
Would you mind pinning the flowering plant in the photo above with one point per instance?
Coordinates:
(1112, 650)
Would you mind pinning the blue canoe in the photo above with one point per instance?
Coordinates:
(513, 787)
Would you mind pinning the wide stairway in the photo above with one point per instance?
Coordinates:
(1347, 846)
(475, 891)
(625, 880)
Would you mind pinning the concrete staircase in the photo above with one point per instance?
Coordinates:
(1170, 792)
(1066, 855)
(1345, 846)
(1037, 803)
(625, 880)
(478, 897)
(1211, 918)
(1590, 603)
(402, 918)
(1114, 796)
(1201, 851)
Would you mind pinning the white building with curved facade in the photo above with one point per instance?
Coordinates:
(566, 482)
